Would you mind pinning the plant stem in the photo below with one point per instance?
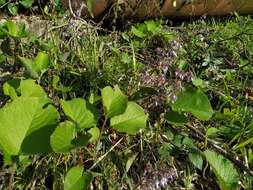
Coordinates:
(11, 179)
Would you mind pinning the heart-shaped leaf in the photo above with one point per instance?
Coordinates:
(81, 112)
(195, 102)
(114, 101)
(33, 123)
(61, 139)
(131, 121)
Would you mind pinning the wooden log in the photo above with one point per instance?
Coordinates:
(141, 9)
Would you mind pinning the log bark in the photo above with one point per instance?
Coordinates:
(141, 9)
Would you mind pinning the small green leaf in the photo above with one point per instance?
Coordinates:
(90, 7)
(76, 179)
(196, 159)
(139, 32)
(195, 102)
(228, 178)
(130, 161)
(153, 26)
(30, 67)
(57, 85)
(211, 131)
(2, 2)
(131, 121)
(41, 62)
(61, 139)
(199, 83)
(9, 88)
(27, 3)
(13, 9)
(81, 112)
(114, 101)
(95, 132)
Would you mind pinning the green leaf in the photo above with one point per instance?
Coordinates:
(228, 178)
(13, 9)
(13, 131)
(211, 131)
(41, 62)
(140, 31)
(28, 88)
(175, 118)
(37, 138)
(35, 68)
(114, 101)
(131, 121)
(245, 143)
(57, 85)
(199, 83)
(130, 162)
(81, 112)
(30, 67)
(196, 159)
(2, 2)
(62, 137)
(13, 29)
(27, 3)
(94, 132)
(153, 26)
(33, 123)
(76, 179)
(90, 7)
(9, 88)
(195, 102)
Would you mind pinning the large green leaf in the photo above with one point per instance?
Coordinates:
(37, 138)
(228, 178)
(81, 112)
(15, 119)
(131, 121)
(76, 179)
(195, 102)
(114, 101)
(26, 122)
(61, 139)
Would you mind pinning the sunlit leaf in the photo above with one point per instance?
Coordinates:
(114, 101)
(81, 112)
(131, 121)
(62, 137)
(76, 179)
